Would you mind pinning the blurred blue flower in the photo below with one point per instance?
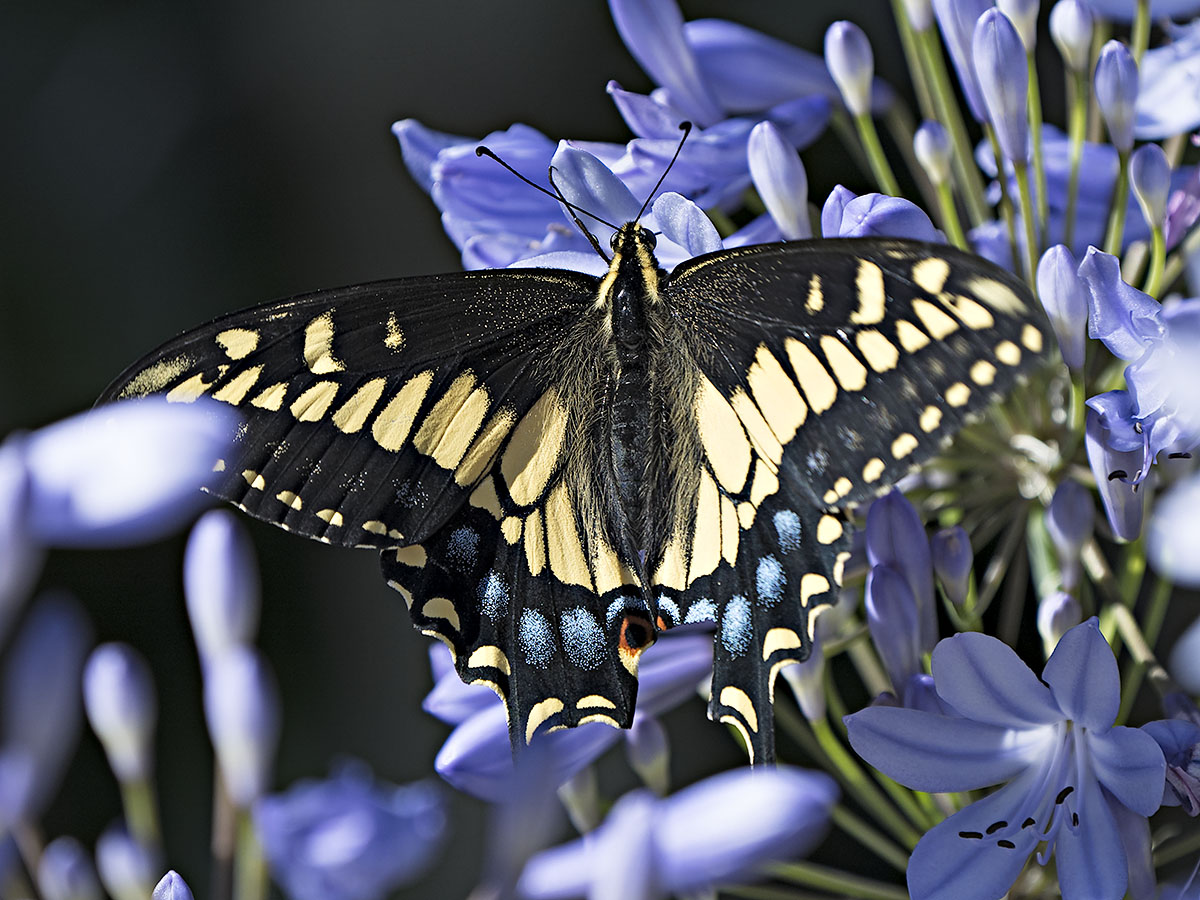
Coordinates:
(648, 753)
(895, 537)
(451, 700)
(1168, 101)
(1003, 78)
(851, 64)
(1116, 91)
(1124, 10)
(119, 697)
(931, 145)
(65, 872)
(172, 887)
(1069, 520)
(40, 706)
(1179, 741)
(128, 870)
(1184, 663)
(1173, 538)
(1057, 614)
(1064, 297)
(1071, 773)
(477, 757)
(241, 707)
(956, 19)
(846, 214)
(350, 837)
(1024, 16)
(1071, 30)
(952, 558)
(1183, 208)
(713, 832)
(220, 582)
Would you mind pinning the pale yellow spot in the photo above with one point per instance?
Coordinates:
(450, 425)
(318, 346)
(873, 470)
(1008, 353)
(567, 559)
(811, 584)
(735, 722)
(765, 483)
(729, 531)
(910, 336)
(671, 572)
(957, 394)
(818, 385)
(219, 466)
(930, 274)
(593, 700)
(816, 297)
(235, 390)
(188, 391)
(779, 639)
(706, 542)
(271, 398)
(535, 542)
(872, 299)
(903, 445)
(489, 657)
(830, 497)
(290, 498)
(404, 592)
(850, 373)
(936, 322)
(511, 528)
(880, 353)
(1032, 339)
(775, 394)
(487, 444)
(842, 486)
(441, 608)
(330, 516)
(829, 529)
(156, 377)
(608, 572)
(315, 402)
(253, 479)
(353, 414)
(395, 421)
(412, 555)
(238, 343)
(393, 337)
(766, 445)
(724, 441)
(930, 419)
(998, 296)
(839, 566)
(973, 315)
(532, 453)
(983, 372)
(374, 526)
(484, 497)
(745, 513)
(539, 714)
(737, 699)
(594, 717)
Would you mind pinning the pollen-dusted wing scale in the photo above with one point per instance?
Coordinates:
(556, 467)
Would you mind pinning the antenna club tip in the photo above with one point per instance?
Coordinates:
(481, 150)
(685, 127)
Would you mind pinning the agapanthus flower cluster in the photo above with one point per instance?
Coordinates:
(1021, 550)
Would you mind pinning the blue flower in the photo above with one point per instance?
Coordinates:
(956, 19)
(1071, 30)
(1057, 614)
(1003, 77)
(1069, 520)
(172, 887)
(1064, 298)
(950, 552)
(892, 620)
(1168, 100)
(1124, 10)
(851, 64)
(1116, 455)
(220, 581)
(119, 697)
(241, 707)
(128, 869)
(477, 758)
(846, 214)
(65, 872)
(781, 182)
(1184, 663)
(1179, 741)
(1150, 178)
(1173, 538)
(931, 145)
(713, 832)
(350, 837)
(895, 537)
(1116, 88)
(1071, 775)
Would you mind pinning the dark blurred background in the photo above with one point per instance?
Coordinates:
(166, 162)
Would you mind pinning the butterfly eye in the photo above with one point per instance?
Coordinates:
(651, 240)
(614, 240)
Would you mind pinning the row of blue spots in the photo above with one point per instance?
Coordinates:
(462, 549)
(787, 529)
(493, 596)
(702, 610)
(770, 581)
(536, 637)
(670, 608)
(583, 638)
(618, 607)
(736, 625)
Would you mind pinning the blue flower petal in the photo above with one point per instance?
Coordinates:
(1003, 77)
(420, 147)
(759, 230)
(1064, 297)
(451, 700)
(956, 19)
(1134, 830)
(1130, 765)
(1082, 674)
(646, 116)
(780, 179)
(684, 224)
(1119, 314)
(801, 120)
(1091, 857)
(1173, 538)
(1168, 101)
(589, 184)
(983, 678)
(172, 887)
(1115, 468)
(1124, 10)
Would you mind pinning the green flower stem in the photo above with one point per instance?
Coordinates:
(842, 126)
(912, 56)
(949, 217)
(900, 126)
(835, 881)
(1158, 259)
(249, 867)
(869, 668)
(30, 845)
(1139, 38)
(1077, 118)
(1027, 219)
(852, 776)
(998, 567)
(1188, 247)
(1140, 643)
(1043, 561)
(1039, 163)
(1006, 205)
(141, 813)
(880, 168)
(224, 837)
(969, 180)
(1185, 845)
(1116, 208)
(870, 837)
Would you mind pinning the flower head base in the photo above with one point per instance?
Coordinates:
(1071, 773)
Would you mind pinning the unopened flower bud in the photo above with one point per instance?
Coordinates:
(931, 145)
(1024, 16)
(1150, 175)
(1003, 76)
(950, 549)
(1056, 615)
(119, 697)
(1064, 296)
(850, 61)
(1071, 29)
(1116, 92)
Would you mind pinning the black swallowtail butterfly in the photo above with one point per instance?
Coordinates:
(555, 467)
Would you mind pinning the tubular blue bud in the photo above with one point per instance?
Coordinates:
(920, 14)
(950, 550)
(931, 145)
(1070, 518)
(118, 695)
(1056, 615)
(65, 872)
(1003, 76)
(221, 584)
(807, 681)
(1024, 15)
(649, 754)
(956, 19)
(1150, 175)
(1071, 29)
(127, 869)
(849, 60)
(1116, 86)
(1064, 296)
(780, 179)
(172, 887)
(895, 537)
(892, 620)
(241, 705)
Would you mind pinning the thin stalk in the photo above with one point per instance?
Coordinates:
(1039, 162)
(249, 869)
(1027, 219)
(880, 168)
(141, 812)
(1116, 209)
(1139, 38)
(1077, 118)
(1006, 205)
(949, 217)
(846, 134)
(222, 841)
(870, 837)
(900, 126)
(1179, 257)
(1158, 260)
(970, 182)
(912, 56)
(1140, 644)
(837, 882)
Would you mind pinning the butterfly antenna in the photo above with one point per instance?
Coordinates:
(557, 195)
(686, 128)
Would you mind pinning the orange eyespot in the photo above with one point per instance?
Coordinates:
(636, 635)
